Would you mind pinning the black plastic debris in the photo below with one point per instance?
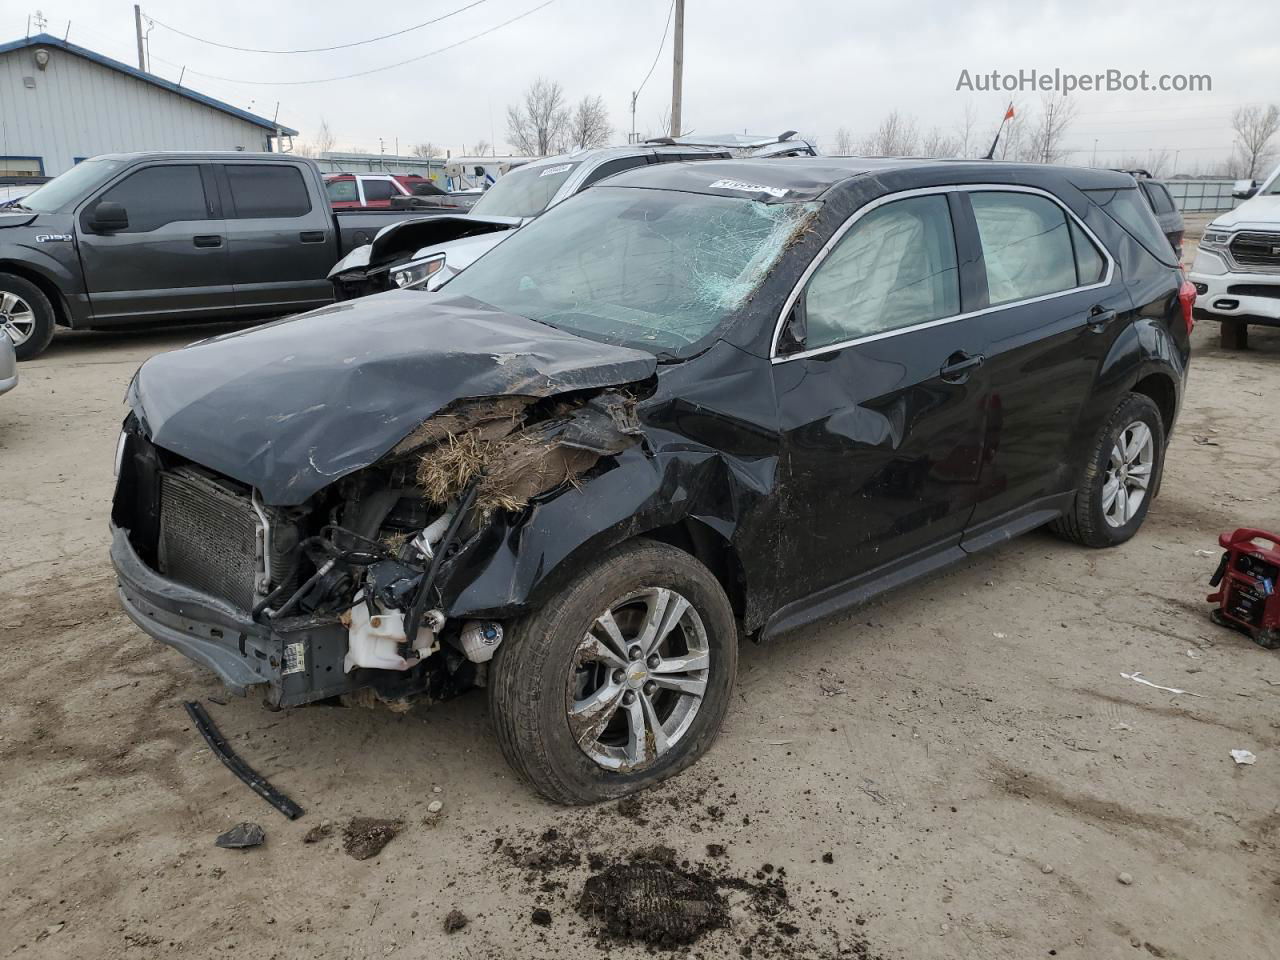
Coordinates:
(257, 783)
(242, 835)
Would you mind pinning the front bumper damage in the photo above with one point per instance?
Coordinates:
(291, 662)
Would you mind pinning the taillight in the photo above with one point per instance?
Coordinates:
(1187, 297)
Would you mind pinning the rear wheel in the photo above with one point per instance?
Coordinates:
(25, 315)
(1120, 478)
(619, 680)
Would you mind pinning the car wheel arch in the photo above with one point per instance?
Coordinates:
(61, 312)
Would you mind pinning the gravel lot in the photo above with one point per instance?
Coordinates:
(985, 781)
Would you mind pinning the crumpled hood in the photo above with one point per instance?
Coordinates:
(291, 407)
(1259, 211)
(395, 242)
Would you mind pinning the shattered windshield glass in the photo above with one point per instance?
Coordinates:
(653, 269)
(523, 192)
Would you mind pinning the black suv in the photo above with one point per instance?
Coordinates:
(700, 403)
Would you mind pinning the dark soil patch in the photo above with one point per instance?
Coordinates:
(653, 902)
(364, 837)
(455, 920)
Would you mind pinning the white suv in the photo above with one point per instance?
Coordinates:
(1237, 268)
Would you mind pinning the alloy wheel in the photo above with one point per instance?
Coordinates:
(17, 319)
(1128, 475)
(639, 679)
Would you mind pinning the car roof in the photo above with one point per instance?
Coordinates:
(806, 178)
(196, 155)
(626, 150)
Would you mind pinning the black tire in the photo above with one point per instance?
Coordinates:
(1085, 522)
(530, 675)
(41, 310)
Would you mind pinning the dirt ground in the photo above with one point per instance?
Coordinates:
(957, 771)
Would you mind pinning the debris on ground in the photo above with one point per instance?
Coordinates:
(1125, 878)
(828, 857)
(320, 831)
(654, 902)
(242, 835)
(49, 931)
(542, 917)
(455, 920)
(1205, 441)
(435, 806)
(364, 837)
(1242, 757)
(1139, 678)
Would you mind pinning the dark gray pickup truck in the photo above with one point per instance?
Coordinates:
(144, 238)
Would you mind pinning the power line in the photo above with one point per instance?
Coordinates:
(389, 66)
(662, 43)
(341, 46)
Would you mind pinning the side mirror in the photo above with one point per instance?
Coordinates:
(1244, 189)
(108, 217)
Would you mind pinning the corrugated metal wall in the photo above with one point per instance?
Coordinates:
(78, 108)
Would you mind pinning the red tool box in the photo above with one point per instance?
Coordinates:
(1247, 580)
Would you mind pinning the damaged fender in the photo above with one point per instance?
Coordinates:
(707, 488)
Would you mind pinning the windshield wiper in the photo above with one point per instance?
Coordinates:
(15, 205)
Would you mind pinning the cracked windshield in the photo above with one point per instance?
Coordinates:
(645, 268)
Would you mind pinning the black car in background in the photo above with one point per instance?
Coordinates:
(1162, 206)
(701, 403)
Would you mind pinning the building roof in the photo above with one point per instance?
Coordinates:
(48, 40)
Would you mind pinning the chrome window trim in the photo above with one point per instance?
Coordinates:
(827, 247)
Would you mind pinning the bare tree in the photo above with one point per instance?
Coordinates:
(844, 142)
(1255, 127)
(323, 142)
(428, 151)
(1047, 140)
(896, 136)
(964, 131)
(1012, 144)
(935, 143)
(538, 125)
(481, 149)
(589, 124)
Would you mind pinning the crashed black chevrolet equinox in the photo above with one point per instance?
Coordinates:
(698, 403)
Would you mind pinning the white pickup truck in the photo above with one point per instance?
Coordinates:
(1237, 268)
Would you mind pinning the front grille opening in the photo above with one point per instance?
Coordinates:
(1255, 290)
(211, 538)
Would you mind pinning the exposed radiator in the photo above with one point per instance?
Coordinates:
(211, 539)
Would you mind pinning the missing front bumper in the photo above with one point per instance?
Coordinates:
(294, 662)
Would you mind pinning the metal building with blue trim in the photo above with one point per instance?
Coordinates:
(61, 103)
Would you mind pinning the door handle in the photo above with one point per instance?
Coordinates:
(311, 236)
(207, 240)
(959, 365)
(1099, 317)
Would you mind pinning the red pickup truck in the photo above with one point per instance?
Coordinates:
(372, 191)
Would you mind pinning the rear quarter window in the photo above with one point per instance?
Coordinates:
(1127, 208)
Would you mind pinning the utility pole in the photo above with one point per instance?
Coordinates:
(677, 71)
(137, 23)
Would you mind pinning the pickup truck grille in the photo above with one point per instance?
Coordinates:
(1256, 249)
(211, 539)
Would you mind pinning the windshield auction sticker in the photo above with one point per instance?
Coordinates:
(743, 187)
(558, 168)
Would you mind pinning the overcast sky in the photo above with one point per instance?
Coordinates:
(811, 65)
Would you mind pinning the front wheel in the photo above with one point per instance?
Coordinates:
(25, 315)
(1120, 478)
(620, 680)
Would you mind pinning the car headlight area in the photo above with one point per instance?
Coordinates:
(417, 273)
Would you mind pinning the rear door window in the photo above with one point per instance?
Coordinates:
(378, 190)
(262, 190)
(1026, 244)
(894, 268)
(155, 196)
